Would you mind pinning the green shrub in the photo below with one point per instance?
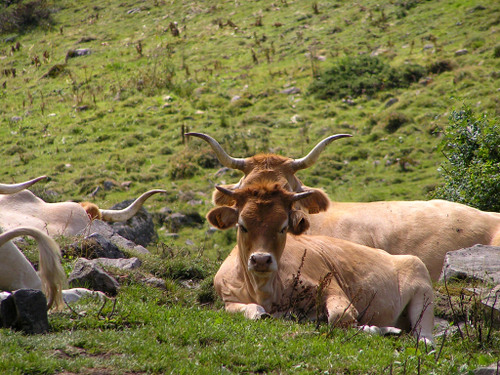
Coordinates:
(471, 145)
(355, 76)
(412, 73)
(496, 52)
(395, 120)
(440, 66)
(23, 15)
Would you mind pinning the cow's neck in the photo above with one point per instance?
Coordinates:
(264, 291)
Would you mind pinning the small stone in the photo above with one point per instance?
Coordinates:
(461, 52)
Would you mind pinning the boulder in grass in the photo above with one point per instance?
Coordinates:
(25, 310)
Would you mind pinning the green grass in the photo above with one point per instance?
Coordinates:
(118, 115)
(145, 333)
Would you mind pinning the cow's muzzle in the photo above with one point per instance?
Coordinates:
(261, 262)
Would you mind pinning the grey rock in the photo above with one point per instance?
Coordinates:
(290, 91)
(25, 310)
(78, 52)
(175, 221)
(493, 369)
(138, 229)
(391, 101)
(155, 282)
(108, 232)
(461, 52)
(11, 39)
(86, 274)
(97, 246)
(129, 245)
(491, 303)
(479, 262)
(124, 264)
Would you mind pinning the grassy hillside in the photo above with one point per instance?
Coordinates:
(243, 72)
(117, 114)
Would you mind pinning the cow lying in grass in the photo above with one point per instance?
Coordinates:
(20, 207)
(272, 272)
(427, 229)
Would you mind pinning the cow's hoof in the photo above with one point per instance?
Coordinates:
(265, 316)
(390, 331)
(428, 342)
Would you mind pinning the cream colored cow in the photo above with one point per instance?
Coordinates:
(271, 272)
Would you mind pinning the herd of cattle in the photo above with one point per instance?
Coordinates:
(367, 264)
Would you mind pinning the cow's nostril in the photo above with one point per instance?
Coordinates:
(252, 259)
(269, 260)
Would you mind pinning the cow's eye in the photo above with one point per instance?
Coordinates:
(243, 229)
(283, 230)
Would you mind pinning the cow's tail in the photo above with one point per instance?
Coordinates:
(127, 213)
(50, 270)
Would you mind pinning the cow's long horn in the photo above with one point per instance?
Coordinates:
(14, 188)
(127, 213)
(224, 158)
(312, 156)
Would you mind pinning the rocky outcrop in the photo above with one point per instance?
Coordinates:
(87, 274)
(478, 262)
(139, 229)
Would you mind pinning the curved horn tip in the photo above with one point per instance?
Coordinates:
(338, 136)
(302, 195)
(224, 190)
(155, 191)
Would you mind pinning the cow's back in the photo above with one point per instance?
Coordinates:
(369, 277)
(427, 229)
(25, 208)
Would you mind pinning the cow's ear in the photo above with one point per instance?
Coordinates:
(223, 217)
(221, 199)
(316, 202)
(297, 222)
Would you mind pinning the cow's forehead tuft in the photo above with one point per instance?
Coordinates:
(268, 160)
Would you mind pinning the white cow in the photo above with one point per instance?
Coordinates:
(20, 207)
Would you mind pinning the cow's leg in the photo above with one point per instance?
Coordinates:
(421, 315)
(342, 313)
(340, 310)
(418, 297)
(250, 310)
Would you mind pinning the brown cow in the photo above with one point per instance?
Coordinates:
(272, 272)
(427, 229)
